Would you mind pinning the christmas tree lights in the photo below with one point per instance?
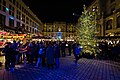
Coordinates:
(87, 31)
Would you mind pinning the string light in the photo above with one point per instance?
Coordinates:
(87, 31)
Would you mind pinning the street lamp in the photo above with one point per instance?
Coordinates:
(74, 14)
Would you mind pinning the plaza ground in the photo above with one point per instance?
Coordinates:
(86, 69)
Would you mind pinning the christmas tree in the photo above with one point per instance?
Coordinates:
(87, 32)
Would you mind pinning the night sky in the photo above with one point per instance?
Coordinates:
(57, 10)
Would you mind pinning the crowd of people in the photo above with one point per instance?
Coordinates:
(48, 53)
(38, 53)
(109, 51)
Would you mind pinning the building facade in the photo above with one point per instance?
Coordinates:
(59, 30)
(107, 16)
(16, 17)
(112, 18)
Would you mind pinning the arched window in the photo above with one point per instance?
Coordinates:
(109, 25)
(118, 22)
(2, 20)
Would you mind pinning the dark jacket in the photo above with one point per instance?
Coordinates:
(50, 55)
(63, 46)
(10, 54)
(44, 52)
(57, 52)
(74, 46)
(69, 46)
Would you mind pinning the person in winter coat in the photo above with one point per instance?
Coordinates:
(78, 49)
(43, 55)
(73, 47)
(10, 56)
(63, 47)
(69, 48)
(32, 51)
(57, 54)
(40, 52)
(37, 47)
(7, 56)
(50, 56)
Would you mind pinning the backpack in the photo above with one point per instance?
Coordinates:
(40, 51)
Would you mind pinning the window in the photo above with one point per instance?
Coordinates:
(27, 20)
(4, 2)
(10, 7)
(2, 20)
(4, 9)
(11, 13)
(33, 24)
(26, 27)
(109, 25)
(20, 7)
(118, 22)
(24, 11)
(18, 24)
(23, 17)
(17, 12)
(23, 26)
(12, 1)
(30, 22)
(18, 15)
(13, 9)
(11, 22)
(30, 29)
(17, 4)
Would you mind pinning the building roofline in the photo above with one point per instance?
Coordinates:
(31, 12)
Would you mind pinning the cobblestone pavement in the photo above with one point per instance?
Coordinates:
(86, 69)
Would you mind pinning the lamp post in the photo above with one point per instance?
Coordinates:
(74, 14)
(75, 33)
